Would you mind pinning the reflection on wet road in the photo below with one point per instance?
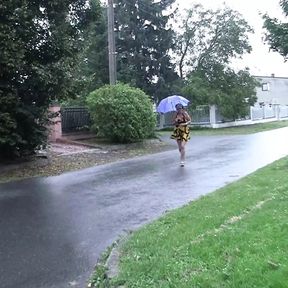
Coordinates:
(54, 229)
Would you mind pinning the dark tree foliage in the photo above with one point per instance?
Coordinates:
(277, 32)
(232, 92)
(40, 43)
(143, 41)
(94, 70)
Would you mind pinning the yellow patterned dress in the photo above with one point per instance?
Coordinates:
(181, 132)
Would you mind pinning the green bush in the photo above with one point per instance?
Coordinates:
(121, 113)
(20, 132)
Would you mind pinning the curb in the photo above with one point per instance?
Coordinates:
(111, 263)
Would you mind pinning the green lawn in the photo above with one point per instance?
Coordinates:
(234, 237)
(247, 129)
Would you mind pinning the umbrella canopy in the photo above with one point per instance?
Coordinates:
(168, 104)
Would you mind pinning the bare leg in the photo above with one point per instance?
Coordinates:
(182, 152)
(179, 143)
(181, 147)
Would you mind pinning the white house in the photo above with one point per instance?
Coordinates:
(272, 90)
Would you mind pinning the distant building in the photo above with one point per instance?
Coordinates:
(272, 90)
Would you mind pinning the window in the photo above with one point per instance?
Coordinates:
(265, 87)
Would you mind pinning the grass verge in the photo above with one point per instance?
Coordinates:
(235, 237)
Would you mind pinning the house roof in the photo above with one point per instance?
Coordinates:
(270, 77)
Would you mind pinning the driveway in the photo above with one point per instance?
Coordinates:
(54, 229)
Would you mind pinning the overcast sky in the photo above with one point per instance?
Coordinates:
(260, 60)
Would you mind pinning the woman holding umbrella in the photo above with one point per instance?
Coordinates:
(181, 120)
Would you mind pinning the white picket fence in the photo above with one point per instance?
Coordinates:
(283, 111)
(209, 116)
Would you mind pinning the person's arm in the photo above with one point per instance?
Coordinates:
(187, 119)
(174, 119)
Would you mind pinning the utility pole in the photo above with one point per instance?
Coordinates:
(111, 43)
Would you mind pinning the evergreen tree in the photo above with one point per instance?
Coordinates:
(143, 41)
(94, 70)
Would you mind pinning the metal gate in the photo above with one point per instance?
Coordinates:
(75, 119)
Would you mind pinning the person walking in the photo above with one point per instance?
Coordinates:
(181, 134)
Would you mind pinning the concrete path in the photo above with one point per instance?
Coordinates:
(52, 230)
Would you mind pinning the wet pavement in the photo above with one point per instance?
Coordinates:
(53, 230)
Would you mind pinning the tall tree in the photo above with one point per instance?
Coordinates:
(207, 43)
(277, 32)
(94, 70)
(210, 37)
(40, 43)
(143, 44)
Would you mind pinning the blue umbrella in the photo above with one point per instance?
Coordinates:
(168, 104)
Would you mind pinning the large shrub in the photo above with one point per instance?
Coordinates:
(41, 44)
(121, 113)
(20, 133)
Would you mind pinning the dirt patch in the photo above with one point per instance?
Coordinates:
(66, 149)
(73, 155)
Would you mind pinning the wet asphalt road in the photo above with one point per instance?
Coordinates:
(52, 230)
